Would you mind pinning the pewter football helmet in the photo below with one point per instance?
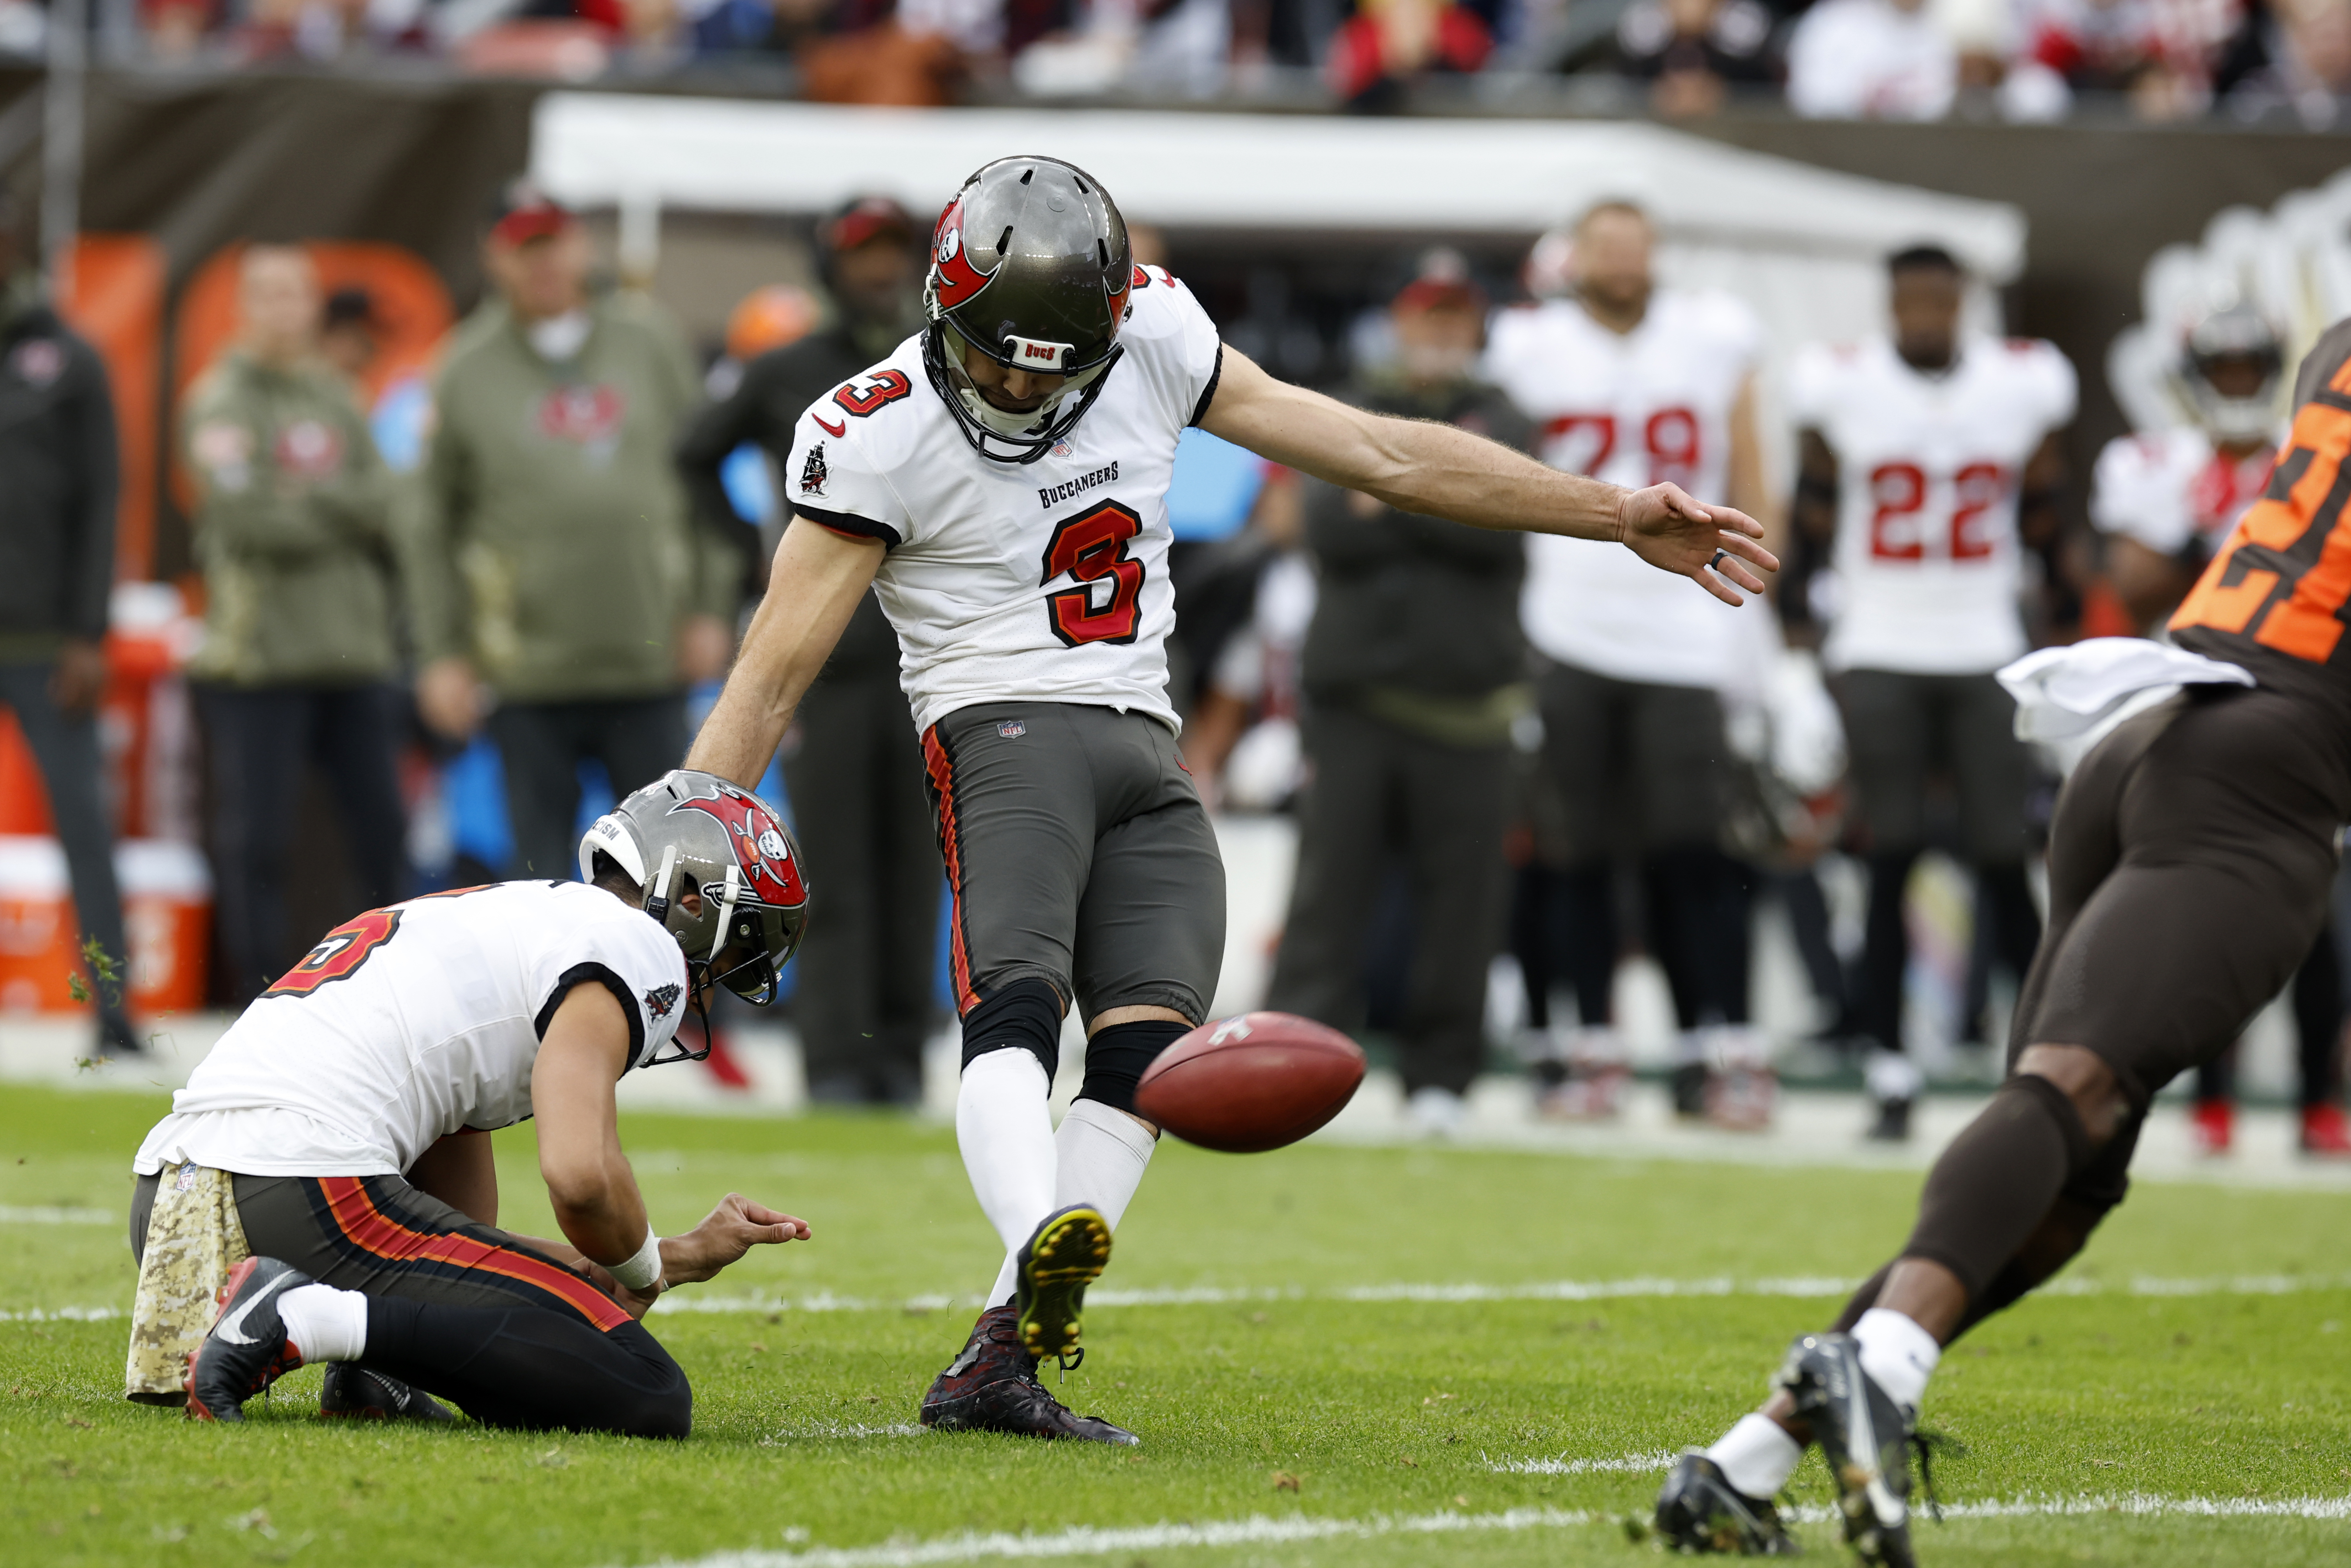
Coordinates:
(1030, 265)
(693, 832)
(2240, 336)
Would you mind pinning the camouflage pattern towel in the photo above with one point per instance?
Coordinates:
(194, 1239)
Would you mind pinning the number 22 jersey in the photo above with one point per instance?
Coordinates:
(1045, 580)
(1927, 469)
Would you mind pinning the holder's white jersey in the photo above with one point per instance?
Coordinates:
(1046, 581)
(1927, 469)
(1634, 408)
(412, 1022)
(2172, 488)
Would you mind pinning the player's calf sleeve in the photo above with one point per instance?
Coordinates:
(324, 1323)
(1005, 1132)
(1026, 1013)
(1994, 1185)
(1103, 1154)
(1117, 1057)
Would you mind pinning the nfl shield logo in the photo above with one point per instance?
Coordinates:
(1011, 729)
(1060, 449)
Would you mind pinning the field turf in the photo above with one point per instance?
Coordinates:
(1378, 1363)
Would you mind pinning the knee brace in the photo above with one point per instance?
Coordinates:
(1025, 1014)
(1117, 1057)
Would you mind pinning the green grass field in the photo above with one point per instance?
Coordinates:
(1375, 1338)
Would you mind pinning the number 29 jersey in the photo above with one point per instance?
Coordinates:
(1634, 408)
(1928, 467)
(1045, 580)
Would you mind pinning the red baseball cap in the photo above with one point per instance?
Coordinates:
(867, 218)
(523, 213)
(1441, 280)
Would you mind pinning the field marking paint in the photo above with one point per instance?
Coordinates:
(1090, 1541)
(817, 1430)
(1623, 1464)
(62, 1315)
(53, 1214)
(1801, 1288)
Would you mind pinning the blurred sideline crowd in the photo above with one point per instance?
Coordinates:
(1491, 744)
(2285, 61)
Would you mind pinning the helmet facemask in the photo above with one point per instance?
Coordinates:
(1030, 433)
(2235, 339)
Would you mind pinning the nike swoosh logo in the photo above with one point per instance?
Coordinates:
(835, 431)
(230, 1327)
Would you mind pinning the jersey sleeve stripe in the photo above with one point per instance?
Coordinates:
(580, 975)
(849, 524)
(1209, 392)
(355, 1213)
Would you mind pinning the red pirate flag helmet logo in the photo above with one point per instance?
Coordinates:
(771, 873)
(954, 279)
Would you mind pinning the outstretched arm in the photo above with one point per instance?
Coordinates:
(818, 577)
(1440, 470)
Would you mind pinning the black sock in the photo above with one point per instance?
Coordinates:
(1118, 1055)
(1582, 927)
(2318, 1021)
(1885, 949)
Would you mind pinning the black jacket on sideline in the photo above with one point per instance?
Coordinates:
(776, 390)
(1411, 603)
(58, 481)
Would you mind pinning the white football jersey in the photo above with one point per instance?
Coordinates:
(2172, 487)
(1928, 468)
(1045, 580)
(1634, 408)
(412, 1022)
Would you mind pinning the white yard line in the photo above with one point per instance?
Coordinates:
(1090, 1541)
(1622, 1465)
(53, 1214)
(1459, 1293)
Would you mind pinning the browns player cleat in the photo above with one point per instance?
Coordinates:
(1864, 1436)
(354, 1391)
(1700, 1512)
(992, 1387)
(247, 1349)
(1067, 1252)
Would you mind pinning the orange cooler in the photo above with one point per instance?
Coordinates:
(166, 915)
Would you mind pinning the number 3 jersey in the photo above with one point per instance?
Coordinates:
(1045, 580)
(1927, 469)
(412, 1022)
(1635, 409)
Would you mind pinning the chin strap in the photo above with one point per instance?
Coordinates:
(658, 904)
(733, 896)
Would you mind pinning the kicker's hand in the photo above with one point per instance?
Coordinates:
(729, 1231)
(1673, 533)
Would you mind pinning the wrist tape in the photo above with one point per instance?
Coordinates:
(641, 1272)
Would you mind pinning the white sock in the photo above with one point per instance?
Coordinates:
(1898, 1354)
(324, 1323)
(1103, 1154)
(1757, 1456)
(1005, 1132)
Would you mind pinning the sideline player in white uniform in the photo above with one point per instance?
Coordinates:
(1932, 460)
(1638, 386)
(328, 1148)
(1001, 480)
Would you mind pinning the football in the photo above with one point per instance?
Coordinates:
(1250, 1083)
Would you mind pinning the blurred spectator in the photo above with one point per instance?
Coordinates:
(906, 53)
(291, 527)
(1377, 53)
(2154, 51)
(346, 329)
(1932, 459)
(557, 558)
(1411, 673)
(58, 481)
(1241, 739)
(851, 760)
(2290, 55)
(1692, 52)
(1871, 59)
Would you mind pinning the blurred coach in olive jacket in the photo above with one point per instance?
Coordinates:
(293, 532)
(1413, 672)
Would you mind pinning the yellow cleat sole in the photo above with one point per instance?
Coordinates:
(1069, 1252)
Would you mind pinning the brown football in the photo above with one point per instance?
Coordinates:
(1250, 1083)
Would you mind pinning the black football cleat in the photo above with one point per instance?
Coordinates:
(1864, 1436)
(247, 1349)
(357, 1393)
(992, 1387)
(1067, 1252)
(1699, 1513)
